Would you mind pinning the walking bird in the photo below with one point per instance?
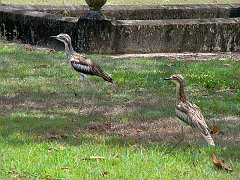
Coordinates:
(189, 112)
(79, 63)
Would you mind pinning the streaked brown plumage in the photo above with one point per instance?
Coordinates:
(189, 112)
(80, 63)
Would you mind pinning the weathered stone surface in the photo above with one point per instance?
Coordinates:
(181, 35)
(32, 26)
(144, 12)
(220, 32)
(94, 36)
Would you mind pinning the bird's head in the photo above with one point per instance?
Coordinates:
(63, 37)
(176, 78)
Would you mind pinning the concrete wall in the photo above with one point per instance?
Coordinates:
(144, 12)
(33, 27)
(32, 24)
(181, 35)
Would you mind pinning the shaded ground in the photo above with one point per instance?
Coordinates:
(136, 115)
(51, 121)
(162, 130)
(184, 56)
(165, 130)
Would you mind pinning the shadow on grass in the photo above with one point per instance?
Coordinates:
(43, 117)
(41, 102)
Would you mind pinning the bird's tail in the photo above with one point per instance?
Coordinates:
(106, 77)
(209, 139)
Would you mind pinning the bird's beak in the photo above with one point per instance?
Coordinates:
(167, 79)
(55, 37)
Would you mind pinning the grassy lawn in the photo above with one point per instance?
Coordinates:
(119, 2)
(51, 124)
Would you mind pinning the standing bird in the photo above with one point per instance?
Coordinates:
(80, 63)
(189, 112)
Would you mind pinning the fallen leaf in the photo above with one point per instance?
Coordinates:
(56, 137)
(195, 163)
(97, 157)
(227, 65)
(15, 176)
(48, 177)
(52, 149)
(61, 147)
(83, 158)
(93, 158)
(134, 146)
(65, 169)
(105, 174)
(220, 163)
(215, 129)
(116, 156)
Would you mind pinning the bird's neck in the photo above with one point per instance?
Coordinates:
(68, 48)
(180, 93)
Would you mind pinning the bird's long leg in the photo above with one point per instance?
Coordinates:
(93, 87)
(94, 90)
(82, 102)
(93, 94)
(194, 148)
(182, 137)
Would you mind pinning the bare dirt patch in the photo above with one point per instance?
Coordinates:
(183, 56)
(164, 130)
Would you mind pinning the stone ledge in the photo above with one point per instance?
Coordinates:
(27, 25)
(32, 27)
(143, 12)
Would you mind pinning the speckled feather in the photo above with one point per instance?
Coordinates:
(79, 63)
(89, 67)
(189, 112)
(191, 115)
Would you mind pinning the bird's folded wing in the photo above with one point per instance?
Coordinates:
(84, 69)
(84, 65)
(79, 59)
(191, 114)
(81, 63)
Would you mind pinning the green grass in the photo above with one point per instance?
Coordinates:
(119, 2)
(43, 135)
